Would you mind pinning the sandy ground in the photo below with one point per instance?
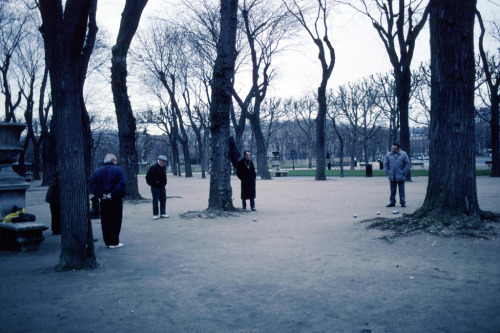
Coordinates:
(304, 265)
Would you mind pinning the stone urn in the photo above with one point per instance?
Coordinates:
(12, 186)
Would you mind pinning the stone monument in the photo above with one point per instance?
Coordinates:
(24, 236)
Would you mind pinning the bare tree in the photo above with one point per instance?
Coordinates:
(12, 32)
(265, 27)
(220, 196)
(388, 103)
(164, 54)
(398, 24)
(334, 114)
(318, 32)
(304, 113)
(273, 113)
(421, 95)
(69, 32)
(357, 103)
(491, 74)
(126, 121)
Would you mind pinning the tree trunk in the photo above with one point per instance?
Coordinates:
(220, 197)
(341, 148)
(403, 87)
(262, 166)
(187, 160)
(495, 140)
(451, 190)
(64, 39)
(126, 121)
(320, 134)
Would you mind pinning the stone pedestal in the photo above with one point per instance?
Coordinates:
(275, 164)
(12, 186)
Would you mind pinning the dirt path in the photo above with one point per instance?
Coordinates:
(304, 265)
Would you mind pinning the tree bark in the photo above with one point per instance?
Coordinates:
(451, 190)
(64, 39)
(126, 121)
(220, 197)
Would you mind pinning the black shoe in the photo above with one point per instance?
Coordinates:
(403, 205)
(253, 209)
(391, 205)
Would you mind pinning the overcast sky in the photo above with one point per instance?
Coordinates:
(359, 50)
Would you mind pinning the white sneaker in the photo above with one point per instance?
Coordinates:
(115, 246)
(155, 217)
(164, 215)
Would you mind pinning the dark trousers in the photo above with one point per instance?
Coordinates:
(401, 186)
(252, 203)
(159, 194)
(55, 212)
(111, 220)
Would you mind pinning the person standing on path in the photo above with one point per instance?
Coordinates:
(245, 171)
(108, 184)
(157, 179)
(52, 197)
(396, 166)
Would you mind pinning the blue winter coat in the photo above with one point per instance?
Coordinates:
(109, 178)
(396, 166)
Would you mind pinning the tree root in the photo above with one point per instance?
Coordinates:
(444, 226)
(209, 214)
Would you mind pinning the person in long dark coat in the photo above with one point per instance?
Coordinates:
(245, 171)
(52, 198)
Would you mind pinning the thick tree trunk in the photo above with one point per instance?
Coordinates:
(452, 172)
(220, 197)
(495, 139)
(126, 121)
(64, 39)
(320, 133)
(404, 87)
(73, 178)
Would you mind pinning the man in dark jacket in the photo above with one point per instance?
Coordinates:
(245, 171)
(108, 183)
(396, 166)
(157, 179)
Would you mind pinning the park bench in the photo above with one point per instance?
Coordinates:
(488, 163)
(24, 236)
(421, 164)
(281, 173)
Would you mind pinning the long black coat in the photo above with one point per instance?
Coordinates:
(245, 171)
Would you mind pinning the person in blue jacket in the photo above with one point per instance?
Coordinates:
(396, 166)
(108, 184)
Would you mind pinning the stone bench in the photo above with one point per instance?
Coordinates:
(24, 236)
(281, 173)
(421, 164)
(489, 163)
